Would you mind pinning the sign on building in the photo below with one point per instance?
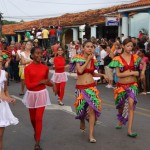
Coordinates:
(112, 21)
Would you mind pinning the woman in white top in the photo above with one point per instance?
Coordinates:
(6, 116)
(24, 61)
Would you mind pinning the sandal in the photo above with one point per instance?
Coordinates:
(118, 127)
(37, 147)
(61, 103)
(21, 94)
(132, 135)
(92, 140)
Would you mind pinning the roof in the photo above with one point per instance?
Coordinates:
(90, 17)
(136, 4)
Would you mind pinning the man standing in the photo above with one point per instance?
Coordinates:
(45, 35)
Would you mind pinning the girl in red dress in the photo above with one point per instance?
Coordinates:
(36, 97)
(60, 77)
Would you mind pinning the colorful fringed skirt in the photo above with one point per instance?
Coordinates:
(122, 93)
(87, 95)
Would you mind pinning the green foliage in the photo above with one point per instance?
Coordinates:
(4, 22)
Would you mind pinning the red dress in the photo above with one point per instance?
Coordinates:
(59, 75)
(36, 95)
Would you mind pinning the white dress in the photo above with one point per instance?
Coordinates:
(6, 116)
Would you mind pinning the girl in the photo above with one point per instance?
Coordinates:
(142, 55)
(6, 116)
(60, 77)
(125, 94)
(88, 103)
(24, 61)
(36, 97)
(108, 71)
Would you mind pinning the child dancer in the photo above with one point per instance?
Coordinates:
(125, 94)
(88, 103)
(60, 77)
(36, 97)
(6, 116)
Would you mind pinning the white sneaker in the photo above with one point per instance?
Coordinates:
(109, 86)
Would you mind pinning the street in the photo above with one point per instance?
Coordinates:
(61, 130)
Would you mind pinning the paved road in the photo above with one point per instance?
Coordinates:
(61, 130)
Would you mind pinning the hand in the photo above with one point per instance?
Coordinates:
(90, 56)
(44, 81)
(135, 73)
(67, 66)
(106, 78)
(7, 99)
(55, 89)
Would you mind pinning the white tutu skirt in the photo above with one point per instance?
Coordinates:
(59, 77)
(36, 99)
(6, 116)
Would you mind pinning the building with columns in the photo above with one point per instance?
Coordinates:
(132, 18)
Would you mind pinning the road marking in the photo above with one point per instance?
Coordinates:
(66, 109)
(52, 106)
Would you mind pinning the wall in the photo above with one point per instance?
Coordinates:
(138, 22)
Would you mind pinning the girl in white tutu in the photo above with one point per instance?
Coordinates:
(60, 76)
(36, 97)
(6, 116)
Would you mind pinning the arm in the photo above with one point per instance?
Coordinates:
(17, 57)
(143, 70)
(126, 73)
(6, 95)
(100, 75)
(5, 86)
(80, 69)
(47, 78)
(23, 61)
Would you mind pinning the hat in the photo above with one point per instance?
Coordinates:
(36, 40)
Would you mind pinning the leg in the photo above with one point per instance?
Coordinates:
(38, 123)
(131, 115)
(1, 137)
(58, 89)
(62, 90)
(91, 122)
(32, 112)
(82, 125)
(120, 111)
(22, 86)
(144, 85)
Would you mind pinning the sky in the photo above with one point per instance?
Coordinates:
(28, 10)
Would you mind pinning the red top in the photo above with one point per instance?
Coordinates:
(52, 32)
(88, 70)
(34, 73)
(59, 63)
(128, 66)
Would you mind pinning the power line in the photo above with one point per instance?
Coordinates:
(19, 9)
(58, 3)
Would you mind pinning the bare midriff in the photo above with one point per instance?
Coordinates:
(126, 80)
(86, 78)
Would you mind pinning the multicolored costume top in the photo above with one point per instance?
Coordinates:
(124, 91)
(80, 59)
(86, 95)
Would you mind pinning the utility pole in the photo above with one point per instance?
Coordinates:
(1, 25)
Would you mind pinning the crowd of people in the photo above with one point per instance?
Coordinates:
(123, 65)
(44, 36)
